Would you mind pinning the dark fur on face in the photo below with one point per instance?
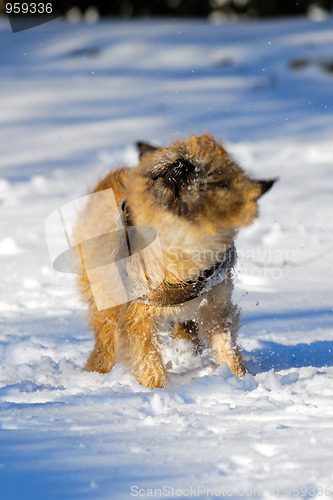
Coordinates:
(198, 178)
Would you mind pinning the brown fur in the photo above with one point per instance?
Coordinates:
(196, 198)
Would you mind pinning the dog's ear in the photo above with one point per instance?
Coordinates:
(144, 148)
(266, 185)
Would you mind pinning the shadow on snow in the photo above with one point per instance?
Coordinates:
(272, 355)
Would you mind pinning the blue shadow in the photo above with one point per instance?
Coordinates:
(283, 357)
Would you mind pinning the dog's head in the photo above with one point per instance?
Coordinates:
(196, 179)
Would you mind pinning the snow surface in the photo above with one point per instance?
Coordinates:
(73, 99)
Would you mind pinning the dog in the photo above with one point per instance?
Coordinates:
(195, 197)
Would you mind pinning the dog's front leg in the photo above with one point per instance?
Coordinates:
(138, 347)
(226, 350)
(104, 353)
(219, 324)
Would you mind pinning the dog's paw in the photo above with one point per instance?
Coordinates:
(152, 375)
(239, 369)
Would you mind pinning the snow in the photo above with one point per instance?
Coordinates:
(73, 100)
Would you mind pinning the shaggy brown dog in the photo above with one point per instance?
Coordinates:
(195, 197)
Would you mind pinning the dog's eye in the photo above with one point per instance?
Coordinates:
(224, 184)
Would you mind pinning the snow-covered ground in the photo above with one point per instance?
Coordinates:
(73, 99)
